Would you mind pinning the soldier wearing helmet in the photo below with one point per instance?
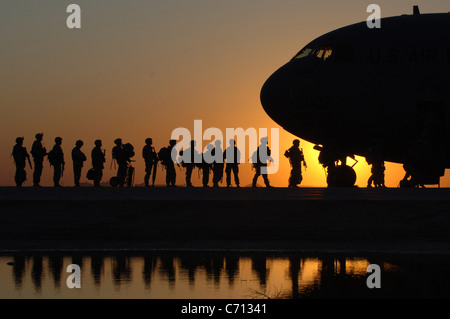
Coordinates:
(78, 159)
(20, 156)
(151, 160)
(56, 159)
(38, 152)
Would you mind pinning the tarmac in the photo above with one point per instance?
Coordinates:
(356, 220)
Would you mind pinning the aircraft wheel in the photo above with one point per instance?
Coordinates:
(342, 176)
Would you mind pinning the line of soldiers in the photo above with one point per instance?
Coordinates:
(214, 161)
(56, 159)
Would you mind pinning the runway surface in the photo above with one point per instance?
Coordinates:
(269, 219)
(222, 193)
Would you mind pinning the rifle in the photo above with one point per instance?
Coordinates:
(155, 166)
(29, 162)
(304, 162)
(62, 169)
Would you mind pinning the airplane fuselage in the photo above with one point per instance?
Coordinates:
(355, 85)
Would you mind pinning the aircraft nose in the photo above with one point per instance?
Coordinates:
(276, 92)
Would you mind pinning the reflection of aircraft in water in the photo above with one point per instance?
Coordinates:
(355, 85)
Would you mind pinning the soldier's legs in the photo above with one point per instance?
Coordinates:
(148, 173)
(77, 175)
(56, 175)
(255, 178)
(189, 170)
(38, 165)
(236, 174)
(173, 176)
(228, 173)
(98, 176)
(218, 174)
(122, 174)
(20, 176)
(296, 176)
(266, 180)
(170, 175)
(205, 171)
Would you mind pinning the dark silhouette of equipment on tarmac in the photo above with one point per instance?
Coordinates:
(339, 174)
(38, 151)
(425, 157)
(165, 156)
(98, 158)
(20, 156)
(259, 159)
(151, 162)
(122, 154)
(78, 159)
(232, 155)
(56, 159)
(296, 159)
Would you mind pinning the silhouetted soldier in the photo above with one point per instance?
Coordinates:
(56, 159)
(233, 157)
(78, 159)
(120, 157)
(189, 157)
(207, 164)
(218, 164)
(38, 152)
(20, 156)
(296, 159)
(374, 157)
(151, 160)
(328, 157)
(165, 156)
(260, 159)
(98, 160)
(416, 164)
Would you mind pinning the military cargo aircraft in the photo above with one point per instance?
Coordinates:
(357, 87)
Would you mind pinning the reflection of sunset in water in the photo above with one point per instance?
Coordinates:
(196, 276)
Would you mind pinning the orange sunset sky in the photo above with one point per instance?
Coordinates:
(141, 68)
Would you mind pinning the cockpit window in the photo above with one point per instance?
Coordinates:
(341, 52)
(304, 53)
(322, 53)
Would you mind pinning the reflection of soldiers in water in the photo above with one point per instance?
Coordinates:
(218, 163)
(165, 156)
(206, 164)
(98, 160)
(374, 157)
(38, 152)
(189, 157)
(20, 156)
(233, 158)
(296, 158)
(78, 159)
(56, 158)
(260, 159)
(151, 160)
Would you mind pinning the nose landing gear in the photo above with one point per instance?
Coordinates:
(339, 174)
